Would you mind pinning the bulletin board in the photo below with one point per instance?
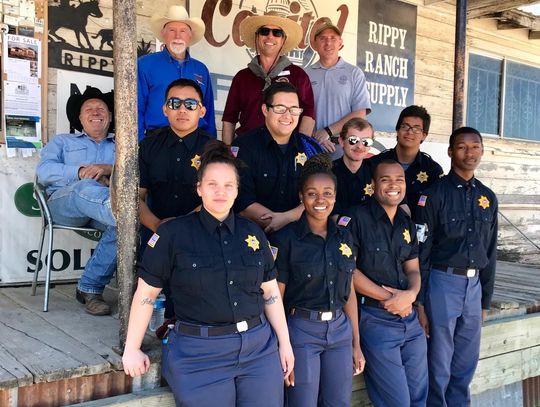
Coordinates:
(23, 60)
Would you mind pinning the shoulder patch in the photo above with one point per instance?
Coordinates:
(343, 221)
(234, 150)
(422, 200)
(153, 240)
(274, 251)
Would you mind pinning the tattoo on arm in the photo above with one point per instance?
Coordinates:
(148, 301)
(271, 300)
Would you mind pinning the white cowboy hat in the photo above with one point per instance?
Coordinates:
(177, 13)
(250, 25)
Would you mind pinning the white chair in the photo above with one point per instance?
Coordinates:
(49, 226)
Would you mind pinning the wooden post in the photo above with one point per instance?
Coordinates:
(459, 63)
(126, 177)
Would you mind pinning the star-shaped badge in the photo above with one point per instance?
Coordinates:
(368, 189)
(300, 158)
(196, 161)
(422, 177)
(252, 242)
(407, 236)
(483, 202)
(345, 250)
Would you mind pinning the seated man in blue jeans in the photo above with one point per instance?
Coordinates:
(75, 169)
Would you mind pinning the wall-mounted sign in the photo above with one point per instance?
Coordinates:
(386, 54)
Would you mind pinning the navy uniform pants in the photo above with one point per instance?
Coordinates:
(395, 349)
(454, 308)
(240, 369)
(322, 362)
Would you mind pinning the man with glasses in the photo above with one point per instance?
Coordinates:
(420, 169)
(352, 173)
(169, 160)
(339, 87)
(271, 36)
(274, 156)
(177, 31)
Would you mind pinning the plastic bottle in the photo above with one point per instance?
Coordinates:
(158, 314)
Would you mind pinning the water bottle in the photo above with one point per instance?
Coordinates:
(158, 314)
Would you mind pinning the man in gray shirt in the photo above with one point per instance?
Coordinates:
(339, 88)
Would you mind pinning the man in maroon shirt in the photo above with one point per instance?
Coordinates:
(272, 37)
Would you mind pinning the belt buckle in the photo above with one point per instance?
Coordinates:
(242, 326)
(471, 272)
(326, 316)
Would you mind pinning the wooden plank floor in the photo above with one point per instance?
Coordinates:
(66, 342)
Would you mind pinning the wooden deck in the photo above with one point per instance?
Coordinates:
(69, 355)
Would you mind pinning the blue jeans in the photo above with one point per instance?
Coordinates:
(87, 203)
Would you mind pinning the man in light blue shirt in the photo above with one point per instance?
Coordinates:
(339, 87)
(75, 169)
(155, 71)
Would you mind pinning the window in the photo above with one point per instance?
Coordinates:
(503, 98)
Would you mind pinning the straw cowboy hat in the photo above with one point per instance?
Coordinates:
(177, 13)
(75, 102)
(250, 25)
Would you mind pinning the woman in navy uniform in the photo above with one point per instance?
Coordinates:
(226, 299)
(315, 262)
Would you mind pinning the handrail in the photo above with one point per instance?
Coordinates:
(519, 231)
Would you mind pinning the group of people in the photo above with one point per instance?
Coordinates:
(287, 254)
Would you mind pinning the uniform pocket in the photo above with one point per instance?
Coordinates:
(191, 272)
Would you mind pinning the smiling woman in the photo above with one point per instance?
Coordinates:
(315, 262)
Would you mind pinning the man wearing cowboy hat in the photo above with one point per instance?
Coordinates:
(340, 88)
(177, 31)
(75, 169)
(271, 36)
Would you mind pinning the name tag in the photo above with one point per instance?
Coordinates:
(283, 73)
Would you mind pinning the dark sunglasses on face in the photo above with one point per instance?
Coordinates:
(175, 103)
(276, 32)
(366, 142)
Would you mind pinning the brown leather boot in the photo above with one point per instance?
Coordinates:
(94, 304)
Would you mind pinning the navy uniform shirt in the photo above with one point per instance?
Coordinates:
(270, 175)
(461, 229)
(168, 168)
(215, 269)
(383, 247)
(352, 188)
(420, 174)
(316, 271)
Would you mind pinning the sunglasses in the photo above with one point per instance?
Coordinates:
(174, 103)
(276, 32)
(366, 142)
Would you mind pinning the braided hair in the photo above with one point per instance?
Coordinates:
(317, 164)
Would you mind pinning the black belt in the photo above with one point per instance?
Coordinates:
(204, 331)
(467, 272)
(371, 302)
(316, 315)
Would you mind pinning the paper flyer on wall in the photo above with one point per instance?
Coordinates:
(22, 114)
(22, 61)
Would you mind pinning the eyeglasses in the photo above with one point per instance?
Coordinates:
(276, 32)
(415, 129)
(174, 103)
(280, 109)
(366, 142)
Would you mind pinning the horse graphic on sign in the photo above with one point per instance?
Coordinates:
(74, 18)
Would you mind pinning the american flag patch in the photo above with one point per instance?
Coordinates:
(344, 221)
(274, 251)
(422, 200)
(234, 150)
(153, 240)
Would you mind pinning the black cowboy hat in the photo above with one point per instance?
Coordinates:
(75, 102)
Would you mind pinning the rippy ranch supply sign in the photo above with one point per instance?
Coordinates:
(386, 53)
